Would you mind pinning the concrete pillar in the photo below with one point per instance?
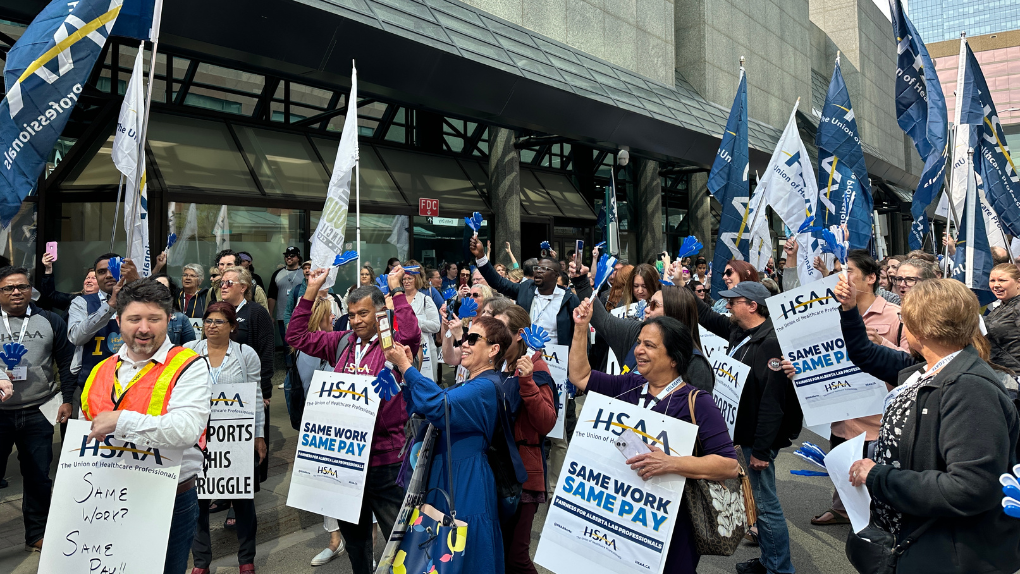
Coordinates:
(505, 194)
(699, 213)
(647, 208)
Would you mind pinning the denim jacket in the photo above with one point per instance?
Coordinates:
(179, 329)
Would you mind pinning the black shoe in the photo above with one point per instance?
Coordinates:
(4, 483)
(752, 566)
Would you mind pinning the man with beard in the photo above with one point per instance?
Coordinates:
(154, 395)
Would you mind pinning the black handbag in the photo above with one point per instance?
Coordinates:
(874, 551)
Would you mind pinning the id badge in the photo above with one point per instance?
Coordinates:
(19, 373)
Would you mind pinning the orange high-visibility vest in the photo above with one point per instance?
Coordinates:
(150, 392)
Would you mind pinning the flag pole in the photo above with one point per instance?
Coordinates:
(116, 211)
(357, 182)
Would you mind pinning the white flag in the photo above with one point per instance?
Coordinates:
(180, 249)
(399, 236)
(222, 230)
(761, 240)
(125, 157)
(328, 240)
(791, 190)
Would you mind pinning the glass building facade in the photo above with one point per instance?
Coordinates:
(938, 20)
(1001, 68)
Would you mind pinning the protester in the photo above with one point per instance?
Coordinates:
(501, 269)
(359, 352)
(909, 272)
(281, 283)
(472, 422)
(515, 275)
(230, 363)
(464, 278)
(619, 280)
(366, 278)
(228, 258)
(449, 276)
(940, 471)
(179, 329)
(434, 286)
(701, 292)
(390, 263)
(700, 269)
(769, 416)
(424, 308)
(664, 351)
(737, 271)
(62, 301)
(192, 299)
(248, 263)
(143, 309)
(513, 260)
(1003, 322)
(295, 294)
(22, 424)
(643, 283)
(495, 305)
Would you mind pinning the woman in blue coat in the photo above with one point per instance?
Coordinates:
(473, 419)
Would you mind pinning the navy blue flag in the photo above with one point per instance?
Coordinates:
(991, 156)
(729, 184)
(973, 262)
(45, 73)
(921, 113)
(135, 19)
(844, 190)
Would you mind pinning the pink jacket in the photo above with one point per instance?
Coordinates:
(388, 437)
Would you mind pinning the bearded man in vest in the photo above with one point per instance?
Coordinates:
(154, 394)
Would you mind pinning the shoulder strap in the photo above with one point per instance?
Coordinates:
(342, 345)
(691, 398)
(449, 456)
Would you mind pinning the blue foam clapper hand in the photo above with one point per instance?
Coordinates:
(603, 269)
(535, 337)
(545, 245)
(474, 222)
(170, 240)
(412, 269)
(449, 293)
(835, 243)
(689, 246)
(345, 258)
(385, 384)
(1011, 488)
(600, 245)
(115, 263)
(806, 226)
(382, 284)
(641, 307)
(468, 308)
(12, 354)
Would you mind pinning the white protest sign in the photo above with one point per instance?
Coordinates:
(710, 342)
(830, 388)
(111, 506)
(334, 444)
(229, 467)
(556, 357)
(856, 499)
(603, 518)
(427, 368)
(197, 323)
(730, 376)
(625, 311)
(613, 364)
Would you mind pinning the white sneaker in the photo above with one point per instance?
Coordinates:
(280, 386)
(326, 555)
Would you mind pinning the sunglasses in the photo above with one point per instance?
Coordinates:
(472, 338)
(477, 296)
(702, 290)
(728, 272)
(230, 283)
(653, 304)
(465, 275)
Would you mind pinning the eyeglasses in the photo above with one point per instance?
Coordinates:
(542, 269)
(472, 338)
(189, 276)
(12, 288)
(217, 322)
(733, 301)
(908, 281)
(230, 283)
(465, 275)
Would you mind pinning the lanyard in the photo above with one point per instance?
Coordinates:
(118, 390)
(536, 311)
(24, 324)
(739, 345)
(916, 379)
(361, 350)
(215, 372)
(943, 362)
(655, 399)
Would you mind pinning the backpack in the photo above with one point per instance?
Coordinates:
(503, 456)
(297, 388)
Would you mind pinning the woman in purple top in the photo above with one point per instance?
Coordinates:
(663, 352)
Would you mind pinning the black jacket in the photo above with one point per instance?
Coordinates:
(523, 294)
(879, 361)
(769, 415)
(951, 457)
(1003, 325)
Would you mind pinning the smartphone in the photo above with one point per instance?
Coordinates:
(578, 253)
(630, 444)
(51, 248)
(385, 333)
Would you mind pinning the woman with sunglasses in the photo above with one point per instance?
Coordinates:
(735, 272)
(621, 334)
(473, 408)
(701, 291)
(664, 351)
(230, 363)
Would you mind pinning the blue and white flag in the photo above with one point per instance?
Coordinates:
(972, 262)
(991, 154)
(729, 184)
(135, 20)
(921, 113)
(844, 189)
(612, 218)
(125, 155)
(45, 73)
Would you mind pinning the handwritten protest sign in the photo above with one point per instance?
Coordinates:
(556, 357)
(603, 517)
(830, 388)
(334, 444)
(730, 376)
(111, 507)
(228, 470)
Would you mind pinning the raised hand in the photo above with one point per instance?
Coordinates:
(128, 271)
(582, 314)
(316, 279)
(573, 271)
(395, 278)
(476, 248)
(845, 293)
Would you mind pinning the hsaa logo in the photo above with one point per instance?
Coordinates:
(230, 402)
(107, 449)
(594, 534)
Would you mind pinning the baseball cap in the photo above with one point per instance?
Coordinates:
(292, 251)
(750, 290)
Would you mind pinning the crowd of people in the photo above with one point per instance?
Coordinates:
(931, 461)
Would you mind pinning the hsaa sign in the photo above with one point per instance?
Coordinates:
(428, 207)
